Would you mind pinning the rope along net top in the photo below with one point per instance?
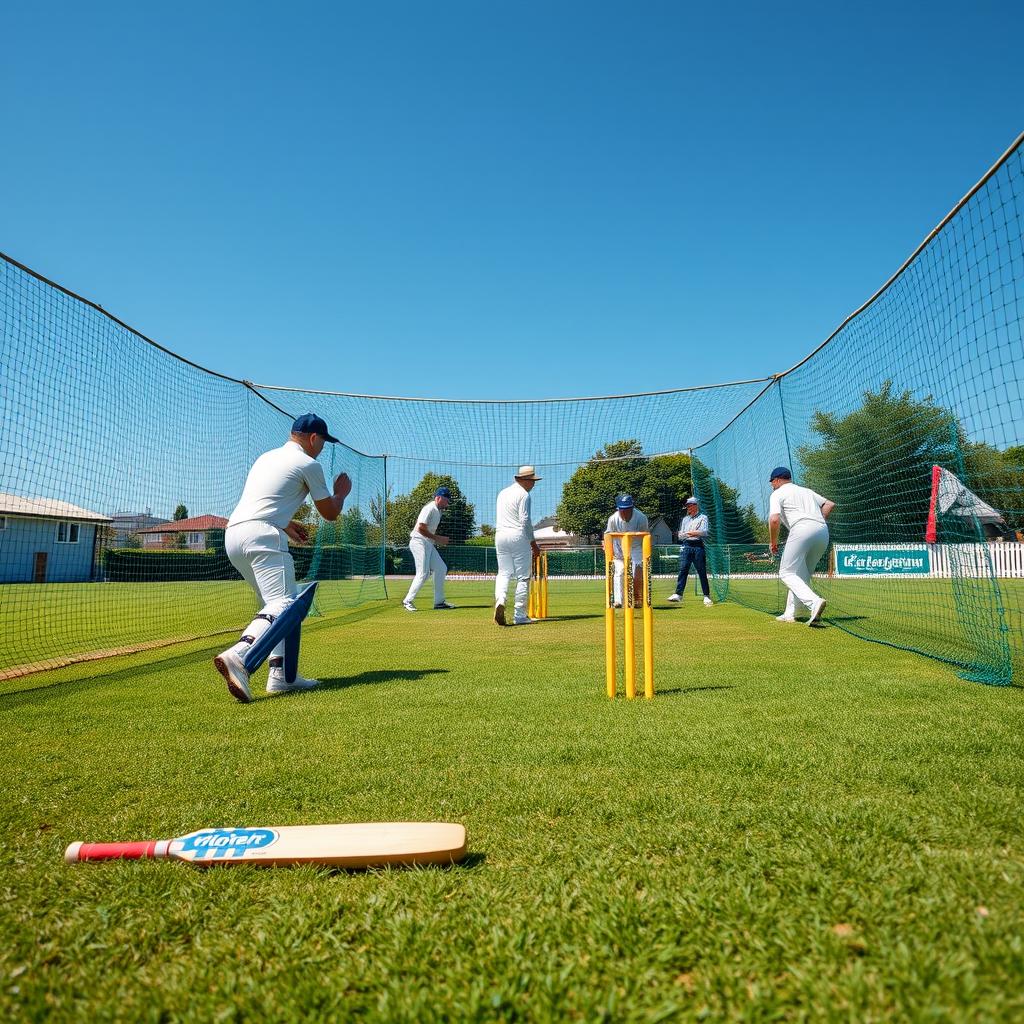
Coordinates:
(120, 462)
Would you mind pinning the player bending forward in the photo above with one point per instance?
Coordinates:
(256, 541)
(423, 543)
(803, 512)
(627, 518)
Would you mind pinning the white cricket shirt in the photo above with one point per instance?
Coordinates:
(795, 504)
(430, 516)
(277, 485)
(513, 511)
(637, 524)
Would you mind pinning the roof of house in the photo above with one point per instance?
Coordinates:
(47, 508)
(196, 523)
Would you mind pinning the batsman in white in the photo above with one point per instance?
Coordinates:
(256, 542)
(804, 513)
(424, 541)
(627, 518)
(514, 544)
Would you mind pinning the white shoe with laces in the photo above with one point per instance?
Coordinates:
(229, 665)
(784, 618)
(278, 684)
(708, 602)
(674, 598)
(523, 620)
(816, 609)
(409, 606)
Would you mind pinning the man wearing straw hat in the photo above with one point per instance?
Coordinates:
(514, 545)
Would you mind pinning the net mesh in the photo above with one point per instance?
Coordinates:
(120, 462)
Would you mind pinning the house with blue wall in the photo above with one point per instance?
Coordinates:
(43, 540)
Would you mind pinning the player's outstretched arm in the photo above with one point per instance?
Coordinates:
(330, 508)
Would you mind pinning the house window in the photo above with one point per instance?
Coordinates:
(195, 538)
(67, 533)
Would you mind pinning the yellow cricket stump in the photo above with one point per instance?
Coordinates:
(628, 604)
(537, 601)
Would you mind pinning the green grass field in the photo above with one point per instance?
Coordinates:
(801, 826)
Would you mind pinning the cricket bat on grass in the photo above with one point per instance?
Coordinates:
(355, 846)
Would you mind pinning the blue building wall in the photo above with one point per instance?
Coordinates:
(65, 563)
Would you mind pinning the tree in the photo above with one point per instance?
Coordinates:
(730, 522)
(659, 487)
(458, 521)
(352, 527)
(180, 513)
(876, 463)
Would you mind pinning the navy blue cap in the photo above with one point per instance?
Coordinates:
(780, 471)
(443, 492)
(624, 501)
(310, 423)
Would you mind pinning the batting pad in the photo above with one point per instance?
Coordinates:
(285, 627)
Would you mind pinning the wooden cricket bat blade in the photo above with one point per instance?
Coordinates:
(356, 846)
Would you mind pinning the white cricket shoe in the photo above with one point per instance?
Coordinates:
(816, 609)
(784, 618)
(674, 598)
(409, 606)
(230, 666)
(708, 602)
(444, 606)
(523, 620)
(278, 684)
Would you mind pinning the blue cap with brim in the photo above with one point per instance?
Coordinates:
(780, 472)
(443, 492)
(624, 501)
(310, 423)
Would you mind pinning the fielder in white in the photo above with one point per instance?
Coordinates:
(514, 545)
(627, 518)
(803, 512)
(424, 541)
(256, 542)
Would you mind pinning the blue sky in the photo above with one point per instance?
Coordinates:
(493, 200)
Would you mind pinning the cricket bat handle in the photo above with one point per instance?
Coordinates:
(154, 849)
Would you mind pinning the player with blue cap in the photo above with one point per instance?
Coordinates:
(256, 541)
(627, 518)
(424, 540)
(804, 513)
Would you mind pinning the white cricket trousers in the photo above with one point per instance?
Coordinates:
(620, 567)
(428, 560)
(805, 545)
(259, 551)
(515, 562)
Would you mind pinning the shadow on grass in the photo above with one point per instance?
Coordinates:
(470, 861)
(691, 689)
(378, 676)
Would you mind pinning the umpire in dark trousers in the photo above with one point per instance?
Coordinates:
(692, 532)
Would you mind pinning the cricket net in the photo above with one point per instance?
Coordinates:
(120, 462)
